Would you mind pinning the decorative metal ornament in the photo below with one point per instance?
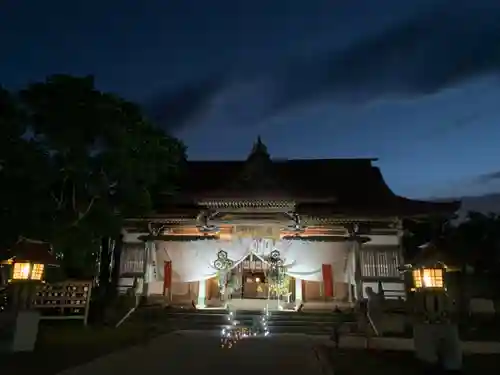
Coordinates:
(275, 255)
(219, 264)
(223, 262)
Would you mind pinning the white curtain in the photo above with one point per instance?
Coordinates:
(194, 260)
(152, 267)
(350, 265)
(305, 258)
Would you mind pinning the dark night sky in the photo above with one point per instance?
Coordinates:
(413, 82)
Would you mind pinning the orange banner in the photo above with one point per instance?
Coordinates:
(167, 272)
(327, 279)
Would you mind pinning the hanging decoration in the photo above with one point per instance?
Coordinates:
(277, 277)
(223, 265)
(233, 283)
(222, 262)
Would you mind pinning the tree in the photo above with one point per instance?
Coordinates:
(472, 243)
(478, 240)
(437, 229)
(24, 172)
(103, 159)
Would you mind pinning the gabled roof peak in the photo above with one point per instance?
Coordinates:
(259, 149)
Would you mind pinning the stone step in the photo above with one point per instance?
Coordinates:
(250, 319)
(244, 312)
(282, 327)
(280, 322)
(276, 327)
(308, 330)
(296, 318)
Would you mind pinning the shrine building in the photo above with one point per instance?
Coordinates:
(334, 224)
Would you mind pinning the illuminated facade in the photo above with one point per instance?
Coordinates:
(335, 224)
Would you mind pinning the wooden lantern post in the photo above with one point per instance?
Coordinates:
(28, 261)
(435, 330)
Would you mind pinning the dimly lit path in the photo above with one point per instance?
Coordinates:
(199, 352)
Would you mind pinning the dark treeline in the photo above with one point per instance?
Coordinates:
(74, 162)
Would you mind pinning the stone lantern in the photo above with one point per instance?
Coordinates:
(429, 277)
(27, 260)
(435, 330)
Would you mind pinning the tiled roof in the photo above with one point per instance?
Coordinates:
(294, 179)
(320, 187)
(31, 251)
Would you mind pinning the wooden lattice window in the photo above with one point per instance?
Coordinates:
(382, 263)
(132, 258)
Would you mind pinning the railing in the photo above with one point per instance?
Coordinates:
(368, 325)
(135, 293)
(372, 323)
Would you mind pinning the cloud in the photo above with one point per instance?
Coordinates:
(175, 108)
(489, 177)
(436, 49)
(432, 51)
(480, 185)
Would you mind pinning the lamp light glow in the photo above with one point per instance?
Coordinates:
(428, 278)
(27, 271)
(21, 271)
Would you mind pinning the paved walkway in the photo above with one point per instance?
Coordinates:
(191, 352)
(389, 343)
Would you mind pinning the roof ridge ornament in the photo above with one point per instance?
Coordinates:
(259, 149)
(257, 172)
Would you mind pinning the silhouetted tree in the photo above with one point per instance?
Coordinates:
(437, 230)
(24, 176)
(478, 241)
(473, 243)
(76, 163)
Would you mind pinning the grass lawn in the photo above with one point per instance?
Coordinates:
(62, 345)
(359, 361)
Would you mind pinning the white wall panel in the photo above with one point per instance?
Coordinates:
(379, 239)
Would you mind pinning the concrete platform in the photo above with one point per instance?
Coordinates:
(189, 352)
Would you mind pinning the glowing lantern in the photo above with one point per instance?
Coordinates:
(435, 332)
(429, 268)
(28, 260)
(428, 278)
(27, 271)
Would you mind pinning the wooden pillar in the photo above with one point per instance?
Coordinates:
(304, 290)
(297, 291)
(350, 266)
(202, 293)
(357, 269)
(401, 260)
(146, 269)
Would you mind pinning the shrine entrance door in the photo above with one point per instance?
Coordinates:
(253, 273)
